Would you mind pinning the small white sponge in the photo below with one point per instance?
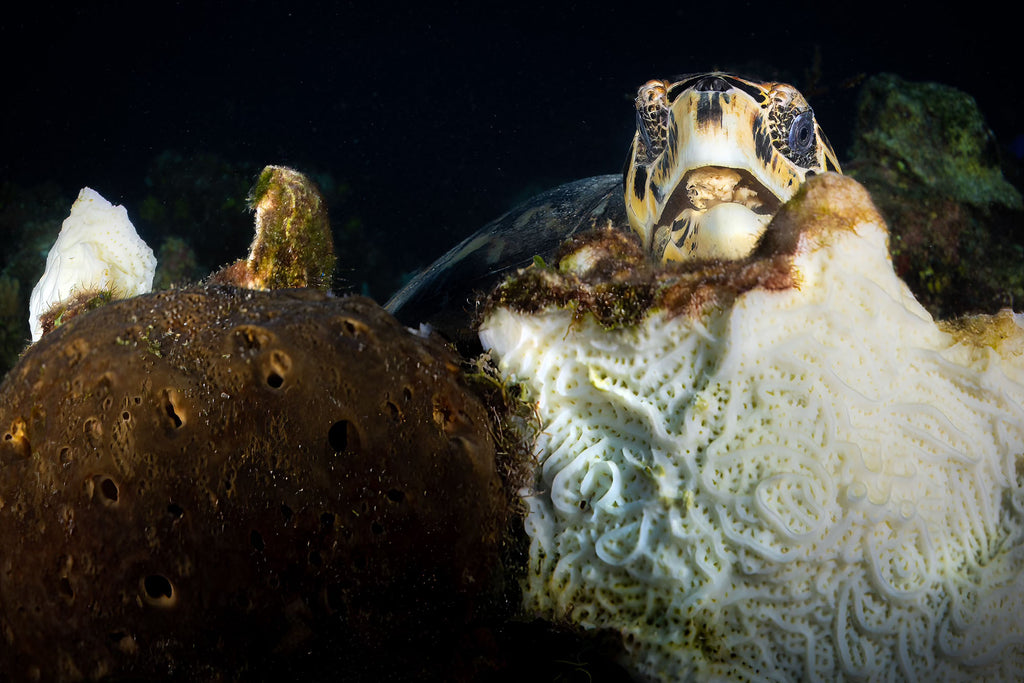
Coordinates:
(817, 483)
(97, 250)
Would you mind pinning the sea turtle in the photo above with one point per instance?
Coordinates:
(713, 158)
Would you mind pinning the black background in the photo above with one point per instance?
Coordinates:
(439, 118)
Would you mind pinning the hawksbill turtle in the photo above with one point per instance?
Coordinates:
(713, 158)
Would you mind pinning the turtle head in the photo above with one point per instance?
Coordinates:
(713, 158)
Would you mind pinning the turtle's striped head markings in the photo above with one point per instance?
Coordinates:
(713, 158)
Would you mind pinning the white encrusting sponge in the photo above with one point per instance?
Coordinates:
(97, 251)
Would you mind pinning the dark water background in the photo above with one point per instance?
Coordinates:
(434, 121)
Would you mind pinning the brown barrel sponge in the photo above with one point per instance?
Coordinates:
(224, 483)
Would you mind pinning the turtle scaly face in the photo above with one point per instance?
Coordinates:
(713, 158)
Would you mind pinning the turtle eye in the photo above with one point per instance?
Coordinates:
(651, 118)
(650, 150)
(801, 133)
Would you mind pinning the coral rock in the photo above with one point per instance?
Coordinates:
(781, 469)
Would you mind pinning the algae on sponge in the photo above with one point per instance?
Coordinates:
(812, 482)
(293, 246)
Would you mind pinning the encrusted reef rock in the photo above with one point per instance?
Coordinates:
(780, 468)
(293, 245)
(935, 134)
(220, 483)
(932, 166)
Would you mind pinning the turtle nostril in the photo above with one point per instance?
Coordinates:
(711, 84)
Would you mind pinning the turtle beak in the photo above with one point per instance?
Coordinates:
(711, 186)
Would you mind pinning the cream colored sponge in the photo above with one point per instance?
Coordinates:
(786, 470)
(97, 251)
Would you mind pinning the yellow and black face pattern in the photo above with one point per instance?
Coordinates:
(713, 158)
